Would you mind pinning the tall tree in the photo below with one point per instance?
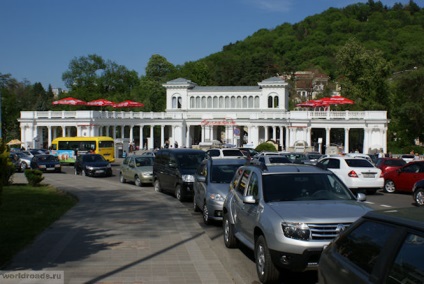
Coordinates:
(363, 75)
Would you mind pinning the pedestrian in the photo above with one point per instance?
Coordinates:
(175, 144)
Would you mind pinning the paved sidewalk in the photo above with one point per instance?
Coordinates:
(118, 233)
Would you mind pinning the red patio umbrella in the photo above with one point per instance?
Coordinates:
(337, 100)
(69, 101)
(101, 103)
(128, 103)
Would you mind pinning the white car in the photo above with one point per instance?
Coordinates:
(358, 174)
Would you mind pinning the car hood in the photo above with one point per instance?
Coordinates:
(96, 164)
(221, 188)
(320, 211)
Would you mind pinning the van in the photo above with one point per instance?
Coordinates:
(174, 169)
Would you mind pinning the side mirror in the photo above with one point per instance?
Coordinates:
(361, 197)
(201, 178)
(250, 199)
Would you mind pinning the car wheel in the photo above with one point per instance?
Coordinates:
(195, 207)
(419, 196)
(156, 184)
(229, 238)
(137, 181)
(389, 186)
(206, 214)
(178, 193)
(267, 272)
(121, 178)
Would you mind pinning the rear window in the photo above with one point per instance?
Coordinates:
(232, 153)
(358, 163)
(276, 160)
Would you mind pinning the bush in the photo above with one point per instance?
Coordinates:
(34, 177)
(268, 147)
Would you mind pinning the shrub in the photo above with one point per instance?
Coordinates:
(34, 177)
(268, 147)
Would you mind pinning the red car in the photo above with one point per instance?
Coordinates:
(388, 164)
(404, 178)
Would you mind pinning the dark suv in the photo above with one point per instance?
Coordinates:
(384, 246)
(173, 171)
(287, 214)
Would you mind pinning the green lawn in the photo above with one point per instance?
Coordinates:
(25, 212)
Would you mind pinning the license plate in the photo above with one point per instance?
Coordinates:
(99, 171)
(50, 169)
(368, 175)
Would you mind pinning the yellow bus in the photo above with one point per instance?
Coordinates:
(68, 148)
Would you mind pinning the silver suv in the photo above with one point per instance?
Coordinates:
(287, 214)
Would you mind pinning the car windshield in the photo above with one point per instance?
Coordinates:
(93, 158)
(359, 163)
(223, 173)
(143, 161)
(303, 186)
(190, 161)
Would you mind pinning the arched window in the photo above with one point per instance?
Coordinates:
(250, 102)
(180, 102)
(269, 101)
(192, 105)
(233, 102)
(245, 102)
(174, 102)
(227, 102)
(197, 102)
(215, 102)
(238, 102)
(209, 102)
(276, 102)
(203, 102)
(257, 102)
(221, 102)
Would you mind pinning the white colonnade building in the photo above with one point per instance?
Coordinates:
(236, 115)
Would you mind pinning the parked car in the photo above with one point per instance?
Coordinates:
(287, 214)
(357, 173)
(224, 152)
(24, 160)
(92, 165)
(389, 164)
(418, 192)
(148, 154)
(249, 153)
(271, 159)
(381, 247)
(359, 155)
(46, 163)
(308, 158)
(403, 178)
(174, 169)
(211, 185)
(137, 169)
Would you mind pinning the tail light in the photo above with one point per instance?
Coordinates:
(352, 174)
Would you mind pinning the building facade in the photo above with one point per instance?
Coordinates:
(236, 115)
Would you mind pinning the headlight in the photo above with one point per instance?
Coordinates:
(297, 231)
(216, 197)
(188, 178)
(90, 168)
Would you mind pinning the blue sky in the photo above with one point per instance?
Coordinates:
(40, 38)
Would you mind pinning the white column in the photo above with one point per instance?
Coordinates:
(151, 137)
(274, 133)
(346, 140)
(131, 133)
(49, 136)
(266, 133)
(281, 136)
(287, 144)
(63, 131)
(188, 140)
(122, 132)
(162, 135)
(327, 137)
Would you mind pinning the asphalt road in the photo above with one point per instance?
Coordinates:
(241, 260)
